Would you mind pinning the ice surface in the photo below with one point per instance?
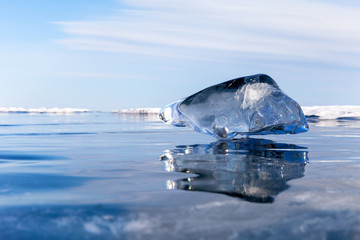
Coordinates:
(252, 105)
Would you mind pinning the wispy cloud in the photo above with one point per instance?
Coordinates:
(97, 75)
(221, 30)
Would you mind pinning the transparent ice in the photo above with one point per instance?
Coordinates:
(252, 105)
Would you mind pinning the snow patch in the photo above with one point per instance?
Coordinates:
(138, 111)
(43, 110)
(333, 112)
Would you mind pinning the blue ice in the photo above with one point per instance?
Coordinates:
(251, 105)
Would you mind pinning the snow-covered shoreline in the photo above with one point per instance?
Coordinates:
(43, 110)
(322, 112)
(138, 111)
(332, 112)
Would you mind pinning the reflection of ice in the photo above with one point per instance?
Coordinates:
(253, 169)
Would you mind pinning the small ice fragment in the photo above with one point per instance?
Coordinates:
(252, 105)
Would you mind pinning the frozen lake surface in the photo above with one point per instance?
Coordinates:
(117, 176)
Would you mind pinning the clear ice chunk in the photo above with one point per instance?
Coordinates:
(252, 105)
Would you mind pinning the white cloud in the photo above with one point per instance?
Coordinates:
(223, 30)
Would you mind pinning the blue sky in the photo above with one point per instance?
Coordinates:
(113, 54)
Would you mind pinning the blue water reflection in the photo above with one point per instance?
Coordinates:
(255, 170)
